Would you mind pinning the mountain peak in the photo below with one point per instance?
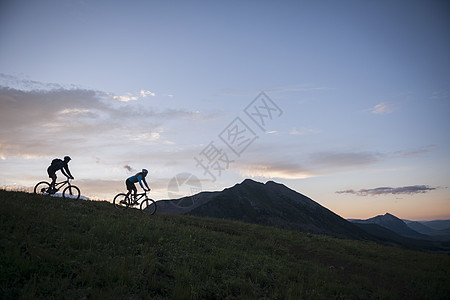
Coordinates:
(269, 183)
(388, 215)
(250, 181)
(394, 224)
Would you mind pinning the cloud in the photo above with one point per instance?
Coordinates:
(46, 122)
(275, 170)
(128, 168)
(145, 94)
(344, 159)
(290, 163)
(303, 131)
(31, 85)
(131, 96)
(124, 98)
(300, 88)
(34, 122)
(382, 108)
(259, 163)
(417, 151)
(413, 189)
(442, 94)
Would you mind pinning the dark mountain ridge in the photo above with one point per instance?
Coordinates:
(420, 228)
(394, 224)
(439, 225)
(268, 204)
(413, 235)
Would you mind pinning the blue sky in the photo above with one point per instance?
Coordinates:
(355, 98)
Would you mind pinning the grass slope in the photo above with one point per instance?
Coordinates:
(55, 248)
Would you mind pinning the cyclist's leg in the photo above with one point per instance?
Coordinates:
(128, 188)
(134, 192)
(131, 188)
(52, 175)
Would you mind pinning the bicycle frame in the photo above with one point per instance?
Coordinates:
(139, 197)
(61, 184)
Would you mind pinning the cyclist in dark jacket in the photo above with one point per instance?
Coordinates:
(139, 177)
(58, 164)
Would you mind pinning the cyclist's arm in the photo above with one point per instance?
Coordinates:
(139, 178)
(64, 173)
(143, 179)
(66, 167)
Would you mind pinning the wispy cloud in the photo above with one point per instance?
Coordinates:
(280, 169)
(31, 85)
(413, 189)
(333, 159)
(382, 108)
(145, 94)
(124, 98)
(417, 151)
(128, 168)
(259, 161)
(132, 96)
(442, 94)
(303, 131)
(300, 88)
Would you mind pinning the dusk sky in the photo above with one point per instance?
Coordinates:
(346, 102)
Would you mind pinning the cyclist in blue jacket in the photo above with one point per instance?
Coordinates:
(139, 177)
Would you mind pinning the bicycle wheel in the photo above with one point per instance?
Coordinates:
(42, 188)
(121, 201)
(71, 192)
(148, 206)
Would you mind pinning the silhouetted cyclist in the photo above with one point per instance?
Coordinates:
(57, 165)
(139, 177)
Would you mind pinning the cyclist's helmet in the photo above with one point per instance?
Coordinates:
(144, 171)
(67, 158)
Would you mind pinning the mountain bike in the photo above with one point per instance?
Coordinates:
(70, 191)
(147, 205)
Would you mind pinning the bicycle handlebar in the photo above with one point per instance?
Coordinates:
(144, 193)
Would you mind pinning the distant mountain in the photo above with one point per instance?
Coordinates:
(390, 230)
(420, 228)
(269, 204)
(394, 224)
(435, 234)
(437, 224)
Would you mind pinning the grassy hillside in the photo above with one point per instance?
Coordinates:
(50, 247)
